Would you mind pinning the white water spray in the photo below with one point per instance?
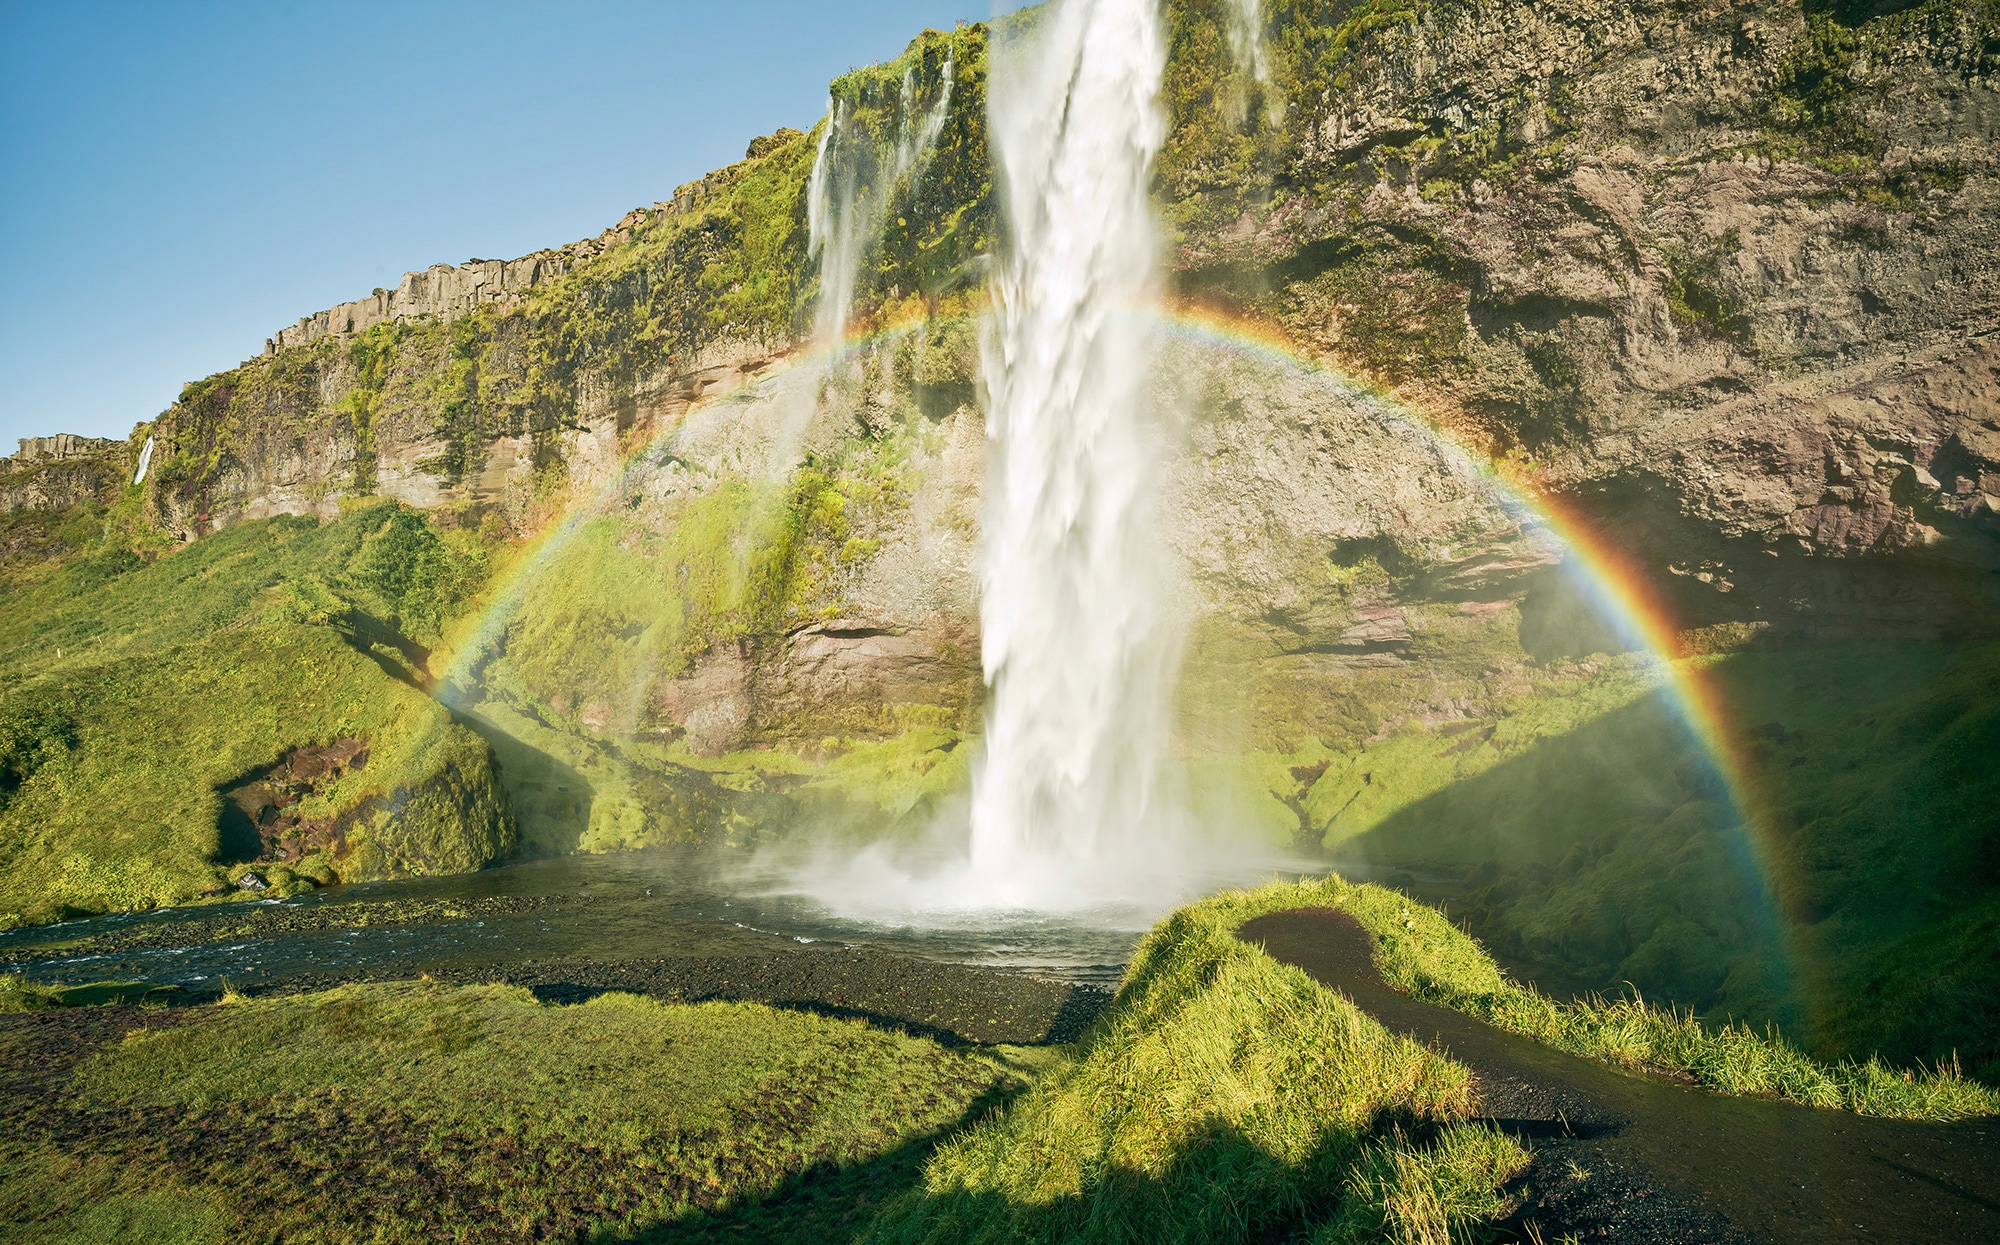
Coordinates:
(1071, 804)
(1246, 38)
(856, 172)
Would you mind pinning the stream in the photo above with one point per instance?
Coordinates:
(683, 925)
(1677, 1163)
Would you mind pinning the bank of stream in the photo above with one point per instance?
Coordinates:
(1638, 1158)
(685, 926)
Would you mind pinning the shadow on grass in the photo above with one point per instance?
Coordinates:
(825, 1203)
(1600, 860)
(1075, 1014)
(1220, 1188)
(1859, 912)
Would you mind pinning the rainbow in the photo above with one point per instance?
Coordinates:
(1622, 593)
(468, 648)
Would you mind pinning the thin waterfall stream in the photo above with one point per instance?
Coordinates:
(856, 171)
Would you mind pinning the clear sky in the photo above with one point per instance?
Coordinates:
(179, 180)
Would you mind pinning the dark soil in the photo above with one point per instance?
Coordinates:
(1628, 1158)
(948, 1002)
(237, 922)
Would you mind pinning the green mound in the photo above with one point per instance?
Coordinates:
(280, 658)
(402, 1112)
(1224, 1097)
(1599, 849)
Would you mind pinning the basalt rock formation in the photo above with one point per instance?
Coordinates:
(64, 471)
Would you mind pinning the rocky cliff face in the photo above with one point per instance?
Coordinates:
(1723, 272)
(63, 471)
(445, 292)
(1722, 275)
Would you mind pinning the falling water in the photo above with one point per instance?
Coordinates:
(1070, 805)
(856, 172)
(1246, 38)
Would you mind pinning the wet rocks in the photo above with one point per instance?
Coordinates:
(262, 810)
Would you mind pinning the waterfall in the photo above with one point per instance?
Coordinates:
(1246, 38)
(868, 150)
(1070, 804)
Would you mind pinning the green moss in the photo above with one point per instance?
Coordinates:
(1233, 142)
(1830, 79)
(1698, 294)
(1222, 1097)
(131, 692)
(936, 228)
(129, 817)
(1392, 306)
(494, 1116)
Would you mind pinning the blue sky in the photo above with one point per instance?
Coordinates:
(177, 181)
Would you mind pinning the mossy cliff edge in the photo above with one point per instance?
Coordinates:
(1718, 276)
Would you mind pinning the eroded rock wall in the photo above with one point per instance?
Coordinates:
(1723, 273)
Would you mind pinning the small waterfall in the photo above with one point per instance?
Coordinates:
(145, 461)
(1246, 38)
(868, 150)
(1070, 804)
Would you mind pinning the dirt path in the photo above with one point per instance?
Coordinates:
(1627, 1158)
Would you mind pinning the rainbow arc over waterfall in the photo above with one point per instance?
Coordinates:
(1620, 591)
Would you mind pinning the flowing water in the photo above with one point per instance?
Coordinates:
(869, 150)
(1072, 802)
(606, 908)
(1246, 39)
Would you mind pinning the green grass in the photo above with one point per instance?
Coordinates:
(1223, 1097)
(18, 994)
(1602, 850)
(1422, 952)
(130, 692)
(124, 813)
(417, 1112)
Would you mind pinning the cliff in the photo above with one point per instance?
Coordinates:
(1716, 280)
(63, 472)
(1722, 272)
(446, 292)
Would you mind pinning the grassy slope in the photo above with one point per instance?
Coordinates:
(1227, 1097)
(1224, 1097)
(1424, 953)
(394, 1113)
(130, 691)
(1603, 850)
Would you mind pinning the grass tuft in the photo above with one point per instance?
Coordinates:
(1423, 953)
(1223, 1097)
